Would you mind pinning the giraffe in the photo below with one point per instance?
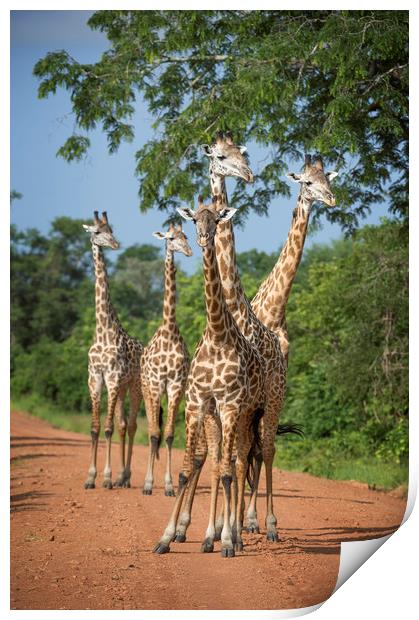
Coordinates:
(270, 301)
(114, 360)
(165, 363)
(226, 383)
(228, 159)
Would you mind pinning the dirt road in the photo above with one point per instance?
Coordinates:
(78, 549)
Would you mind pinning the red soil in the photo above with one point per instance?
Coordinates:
(78, 549)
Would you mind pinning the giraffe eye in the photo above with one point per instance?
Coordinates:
(309, 183)
(221, 157)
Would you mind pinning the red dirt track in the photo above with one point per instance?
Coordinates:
(73, 548)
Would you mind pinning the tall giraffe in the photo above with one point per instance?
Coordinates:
(270, 301)
(114, 359)
(226, 382)
(228, 159)
(165, 364)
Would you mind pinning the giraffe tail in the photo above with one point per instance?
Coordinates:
(160, 427)
(295, 429)
(255, 452)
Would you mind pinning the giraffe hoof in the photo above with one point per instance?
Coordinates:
(253, 529)
(180, 538)
(147, 491)
(238, 546)
(107, 484)
(207, 546)
(217, 536)
(227, 552)
(89, 485)
(161, 548)
(169, 493)
(272, 537)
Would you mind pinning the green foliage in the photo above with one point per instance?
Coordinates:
(347, 318)
(138, 281)
(47, 280)
(348, 324)
(15, 195)
(290, 81)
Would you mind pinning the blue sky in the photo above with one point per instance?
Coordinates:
(52, 187)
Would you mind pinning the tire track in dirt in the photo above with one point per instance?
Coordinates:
(78, 549)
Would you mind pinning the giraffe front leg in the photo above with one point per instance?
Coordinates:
(95, 389)
(174, 394)
(113, 392)
(229, 425)
(193, 419)
(244, 442)
(185, 516)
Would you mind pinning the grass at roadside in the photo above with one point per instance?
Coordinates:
(80, 422)
(321, 457)
(325, 458)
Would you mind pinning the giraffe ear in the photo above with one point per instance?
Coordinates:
(90, 229)
(297, 178)
(207, 149)
(242, 149)
(159, 235)
(186, 213)
(226, 214)
(332, 175)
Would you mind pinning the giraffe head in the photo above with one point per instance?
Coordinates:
(206, 219)
(315, 182)
(101, 232)
(228, 159)
(176, 240)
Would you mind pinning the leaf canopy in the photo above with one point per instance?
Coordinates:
(335, 82)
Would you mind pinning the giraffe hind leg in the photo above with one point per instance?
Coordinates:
(174, 394)
(135, 400)
(122, 423)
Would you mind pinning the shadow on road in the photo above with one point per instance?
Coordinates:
(30, 500)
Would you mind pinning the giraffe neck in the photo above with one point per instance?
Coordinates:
(219, 321)
(169, 303)
(106, 318)
(271, 299)
(227, 262)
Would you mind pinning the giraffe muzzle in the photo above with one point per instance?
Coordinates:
(202, 240)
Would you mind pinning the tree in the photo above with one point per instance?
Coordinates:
(138, 281)
(348, 324)
(290, 81)
(49, 279)
(15, 195)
